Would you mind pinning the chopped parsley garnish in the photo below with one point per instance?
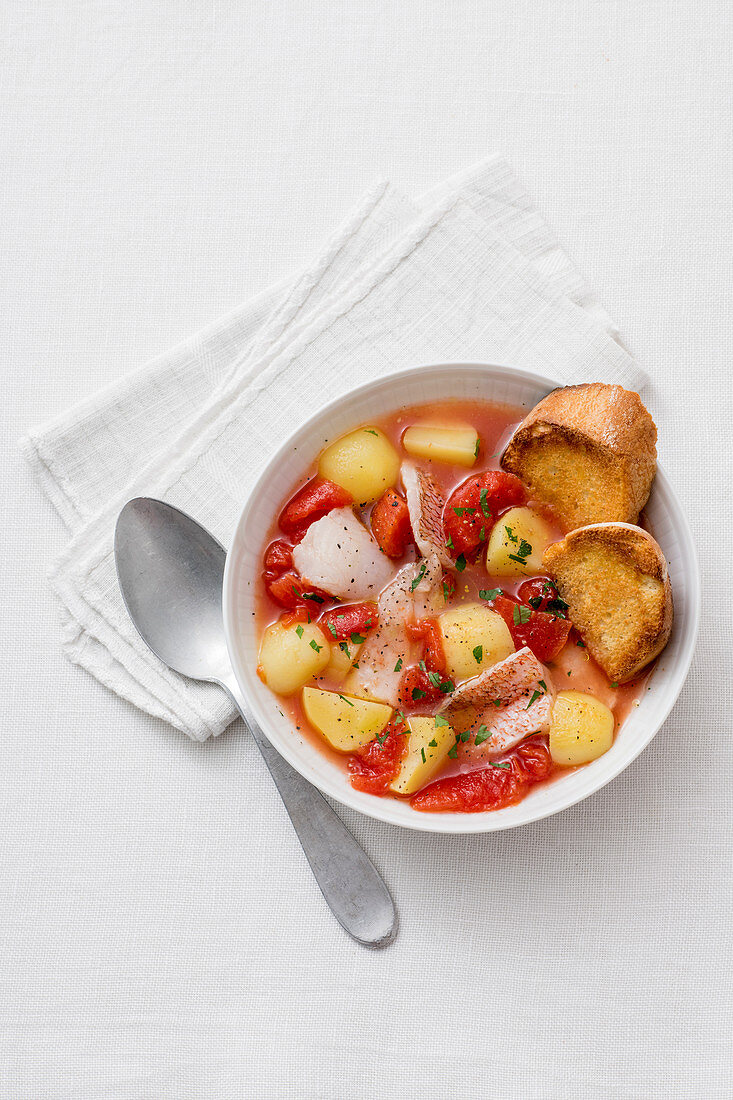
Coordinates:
(299, 631)
(522, 553)
(434, 678)
(312, 596)
(422, 753)
(478, 653)
(461, 562)
(419, 577)
(332, 628)
(446, 591)
(453, 752)
(447, 686)
(614, 685)
(464, 511)
(521, 614)
(535, 696)
(441, 721)
(535, 602)
(357, 639)
(493, 765)
(482, 734)
(344, 647)
(496, 702)
(482, 534)
(510, 535)
(489, 593)
(417, 693)
(476, 449)
(580, 643)
(484, 498)
(432, 744)
(422, 666)
(381, 739)
(370, 431)
(449, 543)
(398, 666)
(465, 736)
(345, 700)
(543, 685)
(314, 645)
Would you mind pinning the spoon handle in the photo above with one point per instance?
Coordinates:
(349, 881)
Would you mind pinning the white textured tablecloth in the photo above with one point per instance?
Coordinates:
(162, 935)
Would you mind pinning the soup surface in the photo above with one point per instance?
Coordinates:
(408, 628)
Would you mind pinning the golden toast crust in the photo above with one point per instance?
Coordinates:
(589, 451)
(614, 578)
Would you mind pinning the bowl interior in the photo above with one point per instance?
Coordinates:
(292, 460)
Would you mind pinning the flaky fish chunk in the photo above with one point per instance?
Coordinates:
(511, 700)
(425, 503)
(413, 594)
(338, 555)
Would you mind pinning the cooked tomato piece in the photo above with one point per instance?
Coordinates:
(351, 618)
(310, 503)
(375, 766)
(421, 687)
(390, 522)
(491, 788)
(289, 591)
(472, 508)
(278, 558)
(541, 594)
(542, 631)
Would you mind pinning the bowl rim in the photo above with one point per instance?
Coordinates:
(484, 821)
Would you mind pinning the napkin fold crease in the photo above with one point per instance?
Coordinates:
(468, 271)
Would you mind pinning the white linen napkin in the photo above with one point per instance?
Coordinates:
(470, 271)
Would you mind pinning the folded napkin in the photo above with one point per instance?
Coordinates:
(469, 271)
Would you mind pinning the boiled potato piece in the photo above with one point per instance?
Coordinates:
(581, 729)
(341, 661)
(347, 723)
(428, 745)
(516, 544)
(458, 445)
(463, 630)
(292, 654)
(364, 462)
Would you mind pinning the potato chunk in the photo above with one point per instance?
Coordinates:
(429, 743)
(341, 661)
(474, 638)
(364, 462)
(292, 654)
(458, 445)
(581, 730)
(516, 544)
(346, 722)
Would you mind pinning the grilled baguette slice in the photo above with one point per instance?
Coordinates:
(613, 577)
(589, 451)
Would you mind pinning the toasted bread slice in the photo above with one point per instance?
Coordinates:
(589, 451)
(613, 577)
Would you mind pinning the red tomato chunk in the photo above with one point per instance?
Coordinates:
(543, 632)
(421, 687)
(472, 508)
(390, 521)
(318, 497)
(490, 788)
(288, 590)
(354, 618)
(375, 766)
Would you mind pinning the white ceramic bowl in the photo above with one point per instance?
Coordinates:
(297, 455)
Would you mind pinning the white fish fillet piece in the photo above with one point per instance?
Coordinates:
(388, 643)
(508, 699)
(425, 503)
(339, 555)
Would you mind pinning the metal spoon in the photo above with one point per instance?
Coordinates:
(170, 571)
